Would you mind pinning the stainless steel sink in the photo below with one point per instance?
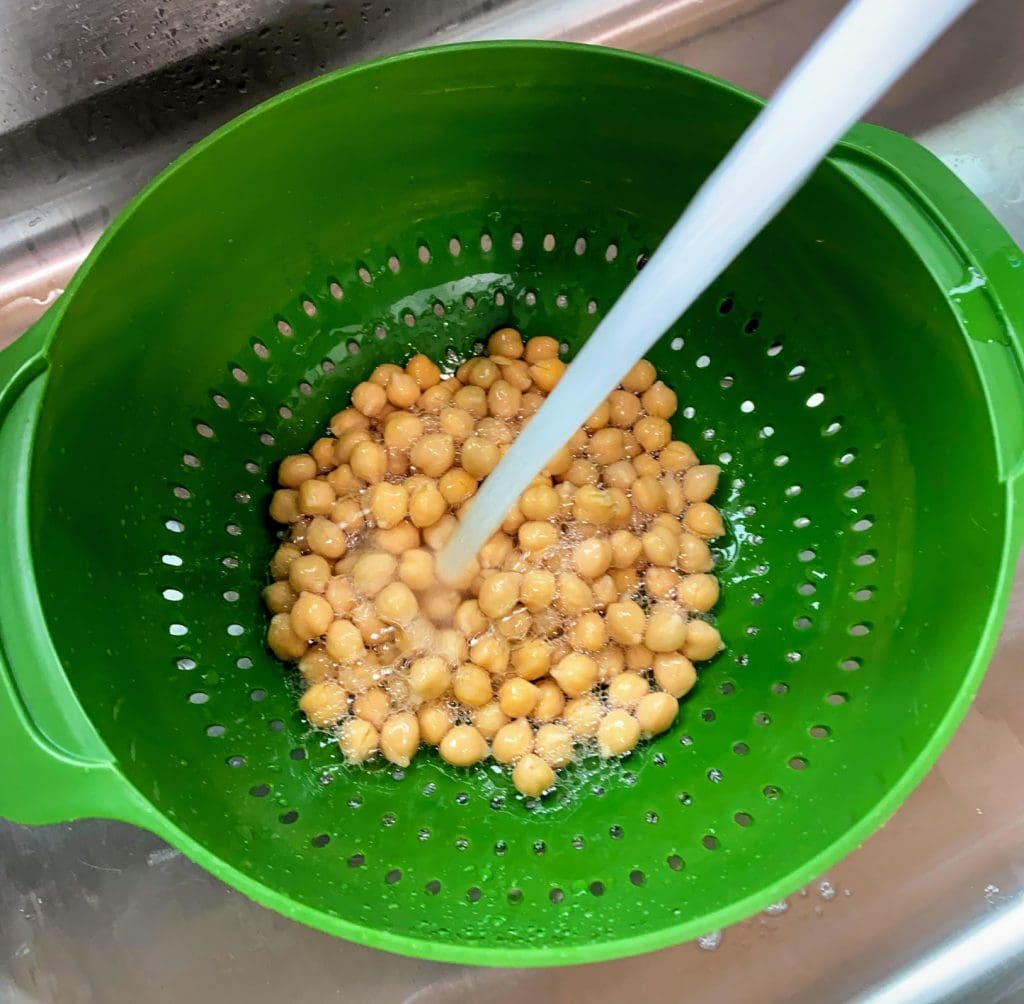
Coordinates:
(95, 97)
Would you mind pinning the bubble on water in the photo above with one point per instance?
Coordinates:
(709, 942)
(826, 890)
(992, 893)
(776, 909)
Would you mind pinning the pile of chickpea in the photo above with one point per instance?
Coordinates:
(577, 627)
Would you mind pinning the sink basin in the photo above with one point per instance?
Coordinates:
(96, 96)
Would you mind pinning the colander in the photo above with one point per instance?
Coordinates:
(857, 374)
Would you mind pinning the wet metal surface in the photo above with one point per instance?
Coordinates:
(95, 97)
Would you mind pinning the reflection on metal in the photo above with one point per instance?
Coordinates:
(95, 97)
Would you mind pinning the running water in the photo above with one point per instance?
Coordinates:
(853, 63)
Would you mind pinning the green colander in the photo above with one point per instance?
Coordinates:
(857, 374)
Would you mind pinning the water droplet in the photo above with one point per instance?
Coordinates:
(826, 890)
(776, 909)
(709, 942)
(992, 893)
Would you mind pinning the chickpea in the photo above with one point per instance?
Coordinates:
(325, 538)
(457, 422)
(372, 706)
(416, 569)
(322, 451)
(652, 433)
(434, 399)
(517, 373)
(582, 472)
(659, 400)
(698, 592)
(537, 589)
(433, 454)
(324, 703)
(426, 507)
(661, 583)
(623, 409)
(605, 447)
(451, 646)
(435, 718)
(440, 603)
(592, 505)
(429, 677)
(517, 697)
(499, 593)
(282, 560)
(348, 441)
(470, 619)
(513, 520)
(316, 665)
(674, 673)
(574, 596)
(532, 776)
(626, 549)
(648, 494)
(532, 660)
(694, 554)
(546, 373)
(677, 457)
(589, 632)
(368, 461)
(400, 738)
(583, 716)
(660, 547)
(481, 372)
(343, 481)
(397, 539)
(344, 642)
(516, 625)
(666, 630)
(512, 741)
(472, 685)
(553, 744)
(295, 470)
(401, 430)
(541, 347)
(504, 400)
(489, 720)
(593, 557)
(479, 456)
(700, 482)
(559, 462)
(656, 712)
(640, 377)
(284, 506)
(505, 342)
(472, 400)
(383, 373)
(539, 502)
(647, 466)
(424, 371)
(701, 518)
(551, 702)
(675, 497)
(311, 616)
(620, 474)
(617, 733)
(463, 746)
(576, 674)
(309, 573)
(625, 622)
(611, 661)
(702, 641)
(348, 418)
(630, 447)
(358, 740)
(639, 658)
(282, 640)
(402, 390)
(369, 399)
(535, 536)
(626, 689)
(278, 597)
(389, 504)
(396, 604)
(532, 400)
(491, 652)
(372, 571)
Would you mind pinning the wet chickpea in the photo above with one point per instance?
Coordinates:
(659, 400)
(491, 652)
(426, 506)
(694, 554)
(625, 548)
(472, 685)
(666, 630)
(435, 719)
(324, 703)
(592, 505)
(479, 456)
(284, 506)
(434, 399)
(639, 658)
(535, 536)
(606, 447)
(652, 433)
(309, 573)
(282, 560)
(323, 537)
(661, 583)
(470, 619)
(429, 677)
(559, 462)
(383, 373)
(506, 342)
(512, 741)
(532, 660)
(532, 776)
(620, 474)
(554, 745)
(451, 646)
(573, 594)
(630, 447)
(457, 486)
(316, 665)
(611, 661)
(463, 746)
(433, 454)
(546, 373)
(623, 409)
(344, 641)
(674, 673)
(660, 547)
(499, 593)
(504, 400)
(369, 399)
(513, 520)
(278, 597)
(340, 594)
(618, 733)
(368, 461)
(677, 457)
(626, 622)
(416, 569)
(517, 373)
(702, 641)
(701, 518)
(582, 472)
(539, 502)
(373, 706)
(424, 371)
(401, 430)
(537, 589)
(551, 702)
(517, 697)
(472, 400)
(322, 451)
(295, 470)
(402, 390)
(646, 466)
(389, 504)
(440, 603)
(541, 347)
(397, 539)
(282, 640)
(576, 674)
(358, 740)
(343, 481)
(675, 498)
(396, 604)
(589, 632)
(489, 720)
(457, 423)
(656, 712)
(648, 495)
(639, 378)
(400, 738)
(626, 689)
(373, 571)
(698, 592)
(583, 715)
(348, 418)
(482, 373)
(701, 482)
(311, 616)
(593, 557)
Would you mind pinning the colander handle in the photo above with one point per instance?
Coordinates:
(970, 252)
(55, 766)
